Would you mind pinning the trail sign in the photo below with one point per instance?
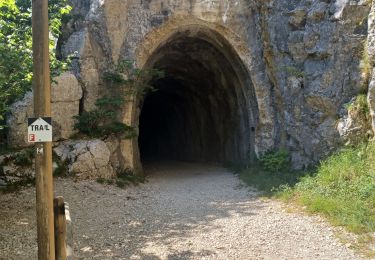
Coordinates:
(39, 129)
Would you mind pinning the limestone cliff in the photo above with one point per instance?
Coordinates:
(244, 76)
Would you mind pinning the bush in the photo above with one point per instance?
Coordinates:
(24, 158)
(276, 161)
(126, 82)
(271, 172)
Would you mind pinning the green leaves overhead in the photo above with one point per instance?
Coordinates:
(16, 47)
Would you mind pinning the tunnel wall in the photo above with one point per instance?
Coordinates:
(303, 59)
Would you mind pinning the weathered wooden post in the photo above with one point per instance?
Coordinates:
(63, 230)
(42, 108)
(60, 228)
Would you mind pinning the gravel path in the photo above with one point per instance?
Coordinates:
(184, 211)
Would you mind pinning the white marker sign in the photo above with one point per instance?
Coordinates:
(39, 129)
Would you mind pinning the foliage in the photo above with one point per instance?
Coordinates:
(276, 161)
(16, 47)
(102, 122)
(269, 182)
(125, 82)
(359, 107)
(62, 166)
(18, 185)
(270, 172)
(24, 157)
(342, 188)
(126, 177)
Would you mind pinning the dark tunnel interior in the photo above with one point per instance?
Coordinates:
(198, 111)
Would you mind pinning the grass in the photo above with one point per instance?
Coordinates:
(342, 187)
(269, 182)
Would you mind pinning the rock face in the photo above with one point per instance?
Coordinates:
(295, 63)
(371, 100)
(371, 55)
(86, 159)
(17, 121)
(65, 97)
(355, 128)
(66, 93)
(241, 77)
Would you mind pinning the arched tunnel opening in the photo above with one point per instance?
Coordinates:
(200, 108)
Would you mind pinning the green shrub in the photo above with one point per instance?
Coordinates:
(270, 173)
(24, 158)
(276, 161)
(125, 82)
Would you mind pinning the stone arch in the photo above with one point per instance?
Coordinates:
(250, 93)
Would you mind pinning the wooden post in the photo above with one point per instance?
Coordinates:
(60, 229)
(42, 108)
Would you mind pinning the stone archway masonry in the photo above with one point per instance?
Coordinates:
(303, 60)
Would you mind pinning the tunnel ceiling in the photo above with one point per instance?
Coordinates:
(198, 111)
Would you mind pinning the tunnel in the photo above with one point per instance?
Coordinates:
(202, 109)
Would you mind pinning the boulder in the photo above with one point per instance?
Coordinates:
(65, 96)
(17, 121)
(88, 159)
(66, 93)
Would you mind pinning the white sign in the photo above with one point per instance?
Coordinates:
(39, 129)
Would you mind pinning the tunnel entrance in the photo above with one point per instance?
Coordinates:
(200, 109)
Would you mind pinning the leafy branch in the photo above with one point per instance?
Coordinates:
(125, 82)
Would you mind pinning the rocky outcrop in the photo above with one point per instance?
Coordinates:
(303, 58)
(66, 93)
(80, 159)
(17, 121)
(355, 127)
(65, 97)
(371, 60)
(291, 66)
(86, 159)
(371, 100)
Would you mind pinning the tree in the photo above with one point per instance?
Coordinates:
(16, 48)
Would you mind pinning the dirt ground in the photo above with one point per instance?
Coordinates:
(184, 211)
